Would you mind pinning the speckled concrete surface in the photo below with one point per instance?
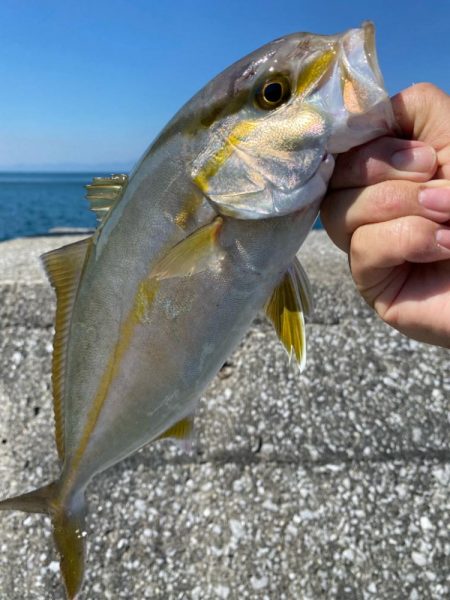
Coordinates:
(332, 484)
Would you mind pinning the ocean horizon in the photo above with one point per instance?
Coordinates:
(34, 203)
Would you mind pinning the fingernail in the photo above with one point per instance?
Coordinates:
(420, 159)
(436, 198)
(443, 238)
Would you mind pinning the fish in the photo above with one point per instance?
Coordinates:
(201, 236)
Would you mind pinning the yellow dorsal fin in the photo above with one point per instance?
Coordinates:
(63, 267)
(104, 192)
(290, 300)
(180, 431)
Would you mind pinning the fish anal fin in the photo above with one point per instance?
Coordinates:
(286, 307)
(63, 267)
(196, 253)
(104, 192)
(181, 430)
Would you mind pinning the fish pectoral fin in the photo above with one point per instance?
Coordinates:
(196, 253)
(104, 192)
(286, 309)
(63, 267)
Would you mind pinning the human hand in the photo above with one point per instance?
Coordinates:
(389, 208)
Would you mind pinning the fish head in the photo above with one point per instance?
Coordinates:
(270, 125)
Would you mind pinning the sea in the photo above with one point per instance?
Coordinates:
(39, 203)
(34, 204)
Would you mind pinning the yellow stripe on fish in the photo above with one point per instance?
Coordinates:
(238, 133)
(312, 74)
(144, 297)
(192, 255)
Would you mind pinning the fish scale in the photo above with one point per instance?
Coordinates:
(201, 236)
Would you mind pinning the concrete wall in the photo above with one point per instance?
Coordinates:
(332, 484)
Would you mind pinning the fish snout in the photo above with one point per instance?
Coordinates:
(362, 83)
(365, 110)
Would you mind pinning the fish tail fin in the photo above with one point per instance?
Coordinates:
(68, 519)
(69, 533)
(36, 501)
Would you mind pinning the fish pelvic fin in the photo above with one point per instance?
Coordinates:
(287, 307)
(68, 519)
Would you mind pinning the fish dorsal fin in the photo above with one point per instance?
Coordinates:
(63, 267)
(289, 303)
(104, 192)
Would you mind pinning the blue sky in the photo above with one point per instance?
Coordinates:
(90, 84)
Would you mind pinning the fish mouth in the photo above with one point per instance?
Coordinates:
(362, 83)
(358, 49)
(368, 29)
(364, 96)
(352, 92)
(344, 75)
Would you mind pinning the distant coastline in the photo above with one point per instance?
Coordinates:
(69, 168)
(40, 202)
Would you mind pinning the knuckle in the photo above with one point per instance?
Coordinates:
(425, 89)
(425, 95)
(413, 238)
(390, 199)
(402, 232)
(358, 246)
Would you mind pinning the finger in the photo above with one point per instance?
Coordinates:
(383, 159)
(421, 113)
(343, 211)
(379, 247)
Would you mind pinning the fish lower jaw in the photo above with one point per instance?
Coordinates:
(309, 193)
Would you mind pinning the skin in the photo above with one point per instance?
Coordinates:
(393, 218)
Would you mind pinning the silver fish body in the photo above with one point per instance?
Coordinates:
(185, 334)
(202, 237)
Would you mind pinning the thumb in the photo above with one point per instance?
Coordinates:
(423, 113)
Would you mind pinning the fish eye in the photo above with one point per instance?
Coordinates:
(273, 92)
